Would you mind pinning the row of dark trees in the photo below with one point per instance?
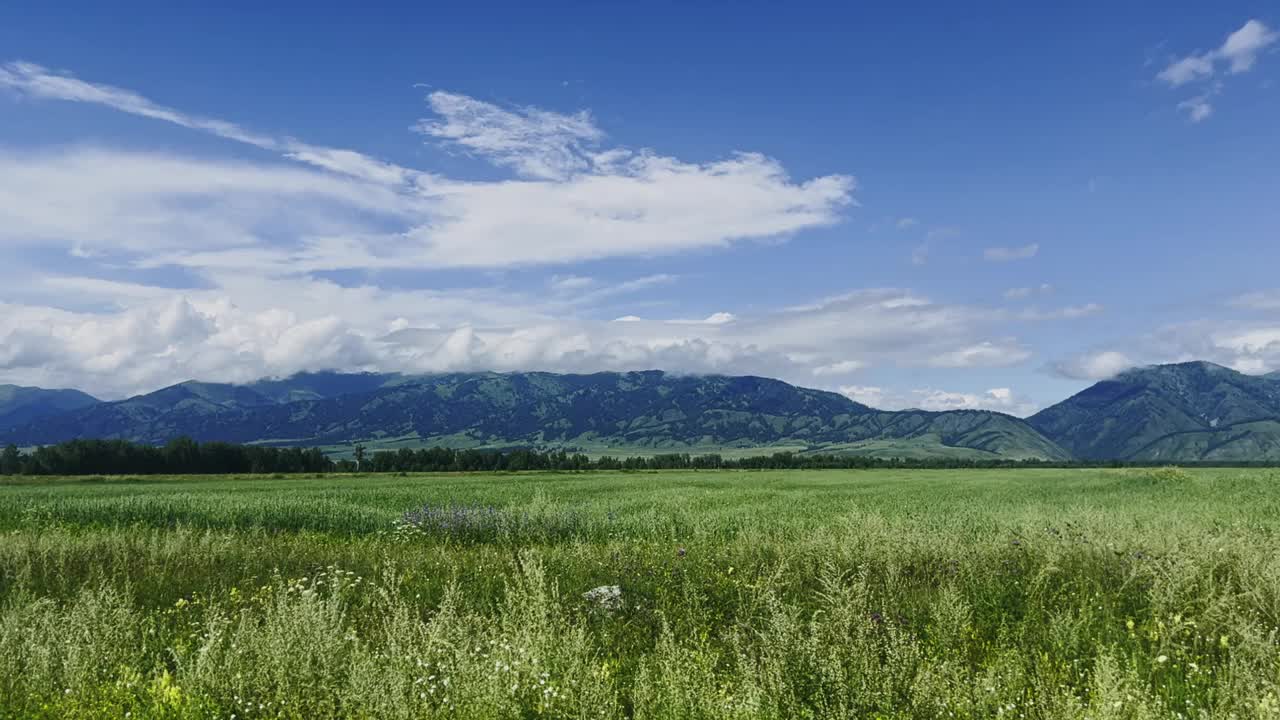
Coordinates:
(179, 456)
(186, 456)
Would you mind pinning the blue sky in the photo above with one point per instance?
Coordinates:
(918, 205)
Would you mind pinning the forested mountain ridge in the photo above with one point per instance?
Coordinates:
(1181, 412)
(642, 410)
(22, 405)
(1195, 411)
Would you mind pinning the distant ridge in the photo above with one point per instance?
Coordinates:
(1193, 411)
(22, 405)
(602, 411)
(1183, 412)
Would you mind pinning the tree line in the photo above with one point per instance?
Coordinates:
(184, 456)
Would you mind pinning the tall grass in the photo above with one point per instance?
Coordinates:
(970, 594)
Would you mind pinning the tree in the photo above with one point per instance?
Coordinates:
(10, 460)
(359, 457)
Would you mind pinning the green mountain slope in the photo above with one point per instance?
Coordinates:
(22, 405)
(650, 410)
(1184, 412)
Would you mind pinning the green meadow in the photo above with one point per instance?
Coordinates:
(789, 594)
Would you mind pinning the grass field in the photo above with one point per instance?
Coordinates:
(843, 594)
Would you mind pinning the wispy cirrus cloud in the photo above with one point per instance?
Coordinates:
(536, 143)
(37, 82)
(571, 202)
(1008, 254)
(1022, 293)
(988, 353)
(1263, 300)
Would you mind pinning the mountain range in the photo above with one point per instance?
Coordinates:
(1178, 413)
(1189, 411)
(23, 405)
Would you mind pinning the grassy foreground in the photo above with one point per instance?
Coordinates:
(842, 594)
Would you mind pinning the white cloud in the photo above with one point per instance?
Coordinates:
(244, 326)
(1251, 342)
(719, 318)
(1265, 300)
(1100, 365)
(984, 354)
(1022, 293)
(570, 283)
(1001, 399)
(997, 399)
(867, 395)
(1249, 345)
(626, 287)
(199, 213)
(650, 205)
(906, 223)
(1187, 69)
(535, 143)
(1242, 47)
(244, 241)
(920, 254)
(1007, 254)
(576, 205)
(843, 367)
(152, 208)
(1238, 54)
(1069, 312)
(1198, 108)
(35, 81)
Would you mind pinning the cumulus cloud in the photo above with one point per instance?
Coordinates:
(1249, 344)
(1007, 254)
(1237, 54)
(1198, 108)
(1101, 365)
(998, 399)
(1001, 399)
(870, 395)
(241, 328)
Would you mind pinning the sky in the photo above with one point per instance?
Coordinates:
(914, 204)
